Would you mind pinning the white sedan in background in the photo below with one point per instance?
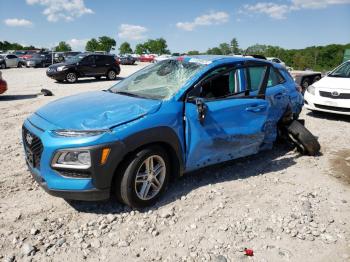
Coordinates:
(162, 58)
(332, 92)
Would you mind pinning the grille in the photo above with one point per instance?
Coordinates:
(33, 147)
(333, 108)
(340, 96)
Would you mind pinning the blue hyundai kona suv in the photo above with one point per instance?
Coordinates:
(169, 118)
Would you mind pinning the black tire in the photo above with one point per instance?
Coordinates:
(71, 77)
(305, 83)
(126, 188)
(3, 66)
(111, 75)
(302, 138)
(316, 78)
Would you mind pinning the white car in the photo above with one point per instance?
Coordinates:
(276, 60)
(332, 92)
(161, 58)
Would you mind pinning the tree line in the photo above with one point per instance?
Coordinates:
(314, 57)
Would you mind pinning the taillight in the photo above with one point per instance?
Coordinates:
(117, 61)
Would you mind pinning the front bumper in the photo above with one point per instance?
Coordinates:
(57, 75)
(326, 104)
(83, 195)
(31, 63)
(59, 182)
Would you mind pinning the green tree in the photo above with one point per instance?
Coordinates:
(214, 51)
(92, 45)
(140, 49)
(225, 48)
(193, 52)
(125, 48)
(234, 46)
(106, 43)
(63, 47)
(157, 46)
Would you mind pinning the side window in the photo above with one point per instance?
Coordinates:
(275, 78)
(220, 83)
(255, 76)
(11, 56)
(101, 60)
(89, 60)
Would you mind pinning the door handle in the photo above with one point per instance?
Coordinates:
(256, 109)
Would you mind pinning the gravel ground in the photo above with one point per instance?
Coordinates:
(283, 206)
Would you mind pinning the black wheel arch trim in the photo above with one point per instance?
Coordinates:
(103, 175)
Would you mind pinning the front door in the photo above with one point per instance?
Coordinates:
(224, 120)
(87, 66)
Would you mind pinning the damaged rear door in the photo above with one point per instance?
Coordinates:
(225, 115)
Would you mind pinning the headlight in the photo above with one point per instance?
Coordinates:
(79, 133)
(74, 159)
(61, 68)
(311, 90)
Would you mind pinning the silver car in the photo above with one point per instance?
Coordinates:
(11, 60)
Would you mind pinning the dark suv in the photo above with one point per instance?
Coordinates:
(85, 65)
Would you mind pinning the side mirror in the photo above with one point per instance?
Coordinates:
(201, 109)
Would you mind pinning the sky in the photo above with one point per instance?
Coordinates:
(185, 24)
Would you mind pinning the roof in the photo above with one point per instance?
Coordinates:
(217, 59)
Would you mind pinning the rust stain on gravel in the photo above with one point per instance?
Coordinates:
(341, 165)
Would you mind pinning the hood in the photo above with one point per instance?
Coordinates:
(333, 83)
(96, 110)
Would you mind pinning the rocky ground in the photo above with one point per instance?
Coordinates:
(283, 206)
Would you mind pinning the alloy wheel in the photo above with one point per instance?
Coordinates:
(111, 75)
(150, 177)
(71, 77)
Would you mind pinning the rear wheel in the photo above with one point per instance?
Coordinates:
(144, 178)
(71, 77)
(111, 75)
(302, 138)
(305, 83)
(316, 78)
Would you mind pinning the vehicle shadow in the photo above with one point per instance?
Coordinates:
(329, 116)
(16, 97)
(90, 80)
(273, 160)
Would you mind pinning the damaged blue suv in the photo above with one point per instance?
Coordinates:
(167, 119)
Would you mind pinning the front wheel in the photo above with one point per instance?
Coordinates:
(145, 178)
(111, 75)
(3, 66)
(302, 138)
(71, 77)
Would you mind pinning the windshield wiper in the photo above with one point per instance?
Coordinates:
(127, 94)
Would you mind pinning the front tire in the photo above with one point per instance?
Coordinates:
(71, 77)
(302, 138)
(145, 178)
(3, 66)
(111, 75)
